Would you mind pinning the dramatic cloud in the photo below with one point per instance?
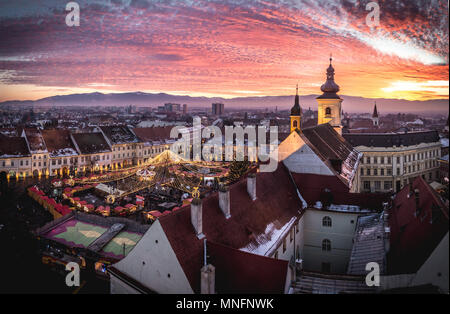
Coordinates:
(223, 48)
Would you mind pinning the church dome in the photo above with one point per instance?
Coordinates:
(330, 88)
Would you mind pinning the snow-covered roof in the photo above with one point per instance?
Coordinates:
(342, 208)
(63, 152)
(119, 134)
(59, 143)
(368, 244)
(35, 141)
(265, 243)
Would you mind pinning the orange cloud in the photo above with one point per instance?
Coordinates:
(224, 48)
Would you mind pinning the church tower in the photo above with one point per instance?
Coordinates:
(329, 102)
(375, 119)
(296, 114)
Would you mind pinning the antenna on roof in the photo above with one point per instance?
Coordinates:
(204, 252)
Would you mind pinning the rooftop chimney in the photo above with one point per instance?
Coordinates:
(224, 200)
(207, 279)
(207, 274)
(251, 185)
(196, 217)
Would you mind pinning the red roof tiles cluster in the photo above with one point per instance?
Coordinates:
(35, 140)
(248, 220)
(57, 140)
(313, 188)
(91, 143)
(153, 134)
(13, 146)
(240, 272)
(362, 124)
(418, 220)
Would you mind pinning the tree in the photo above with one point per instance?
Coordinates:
(237, 169)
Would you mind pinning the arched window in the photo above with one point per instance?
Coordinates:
(294, 123)
(328, 111)
(326, 221)
(326, 245)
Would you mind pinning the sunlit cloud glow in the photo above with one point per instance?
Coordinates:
(404, 50)
(438, 87)
(225, 48)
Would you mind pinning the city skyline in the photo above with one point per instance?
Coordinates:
(351, 105)
(228, 148)
(223, 49)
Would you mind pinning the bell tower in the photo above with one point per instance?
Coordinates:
(375, 119)
(296, 114)
(329, 103)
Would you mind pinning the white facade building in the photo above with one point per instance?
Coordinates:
(391, 160)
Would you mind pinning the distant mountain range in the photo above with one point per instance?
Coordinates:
(350, 104)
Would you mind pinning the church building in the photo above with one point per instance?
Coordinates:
(329, 103)
(375, 118)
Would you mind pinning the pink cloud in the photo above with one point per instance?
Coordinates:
(220, 47)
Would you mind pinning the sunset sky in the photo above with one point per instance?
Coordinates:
(223, 48)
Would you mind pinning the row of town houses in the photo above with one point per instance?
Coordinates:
(34, 152)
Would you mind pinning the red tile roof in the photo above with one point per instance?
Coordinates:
(57, 140)
(414, 238)
(35, 139)
(13, 146)
(153, 133)
(312, 188)
(362, 124)
(248, 220)
(91, 143)
(240, 272)
(312, 185)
